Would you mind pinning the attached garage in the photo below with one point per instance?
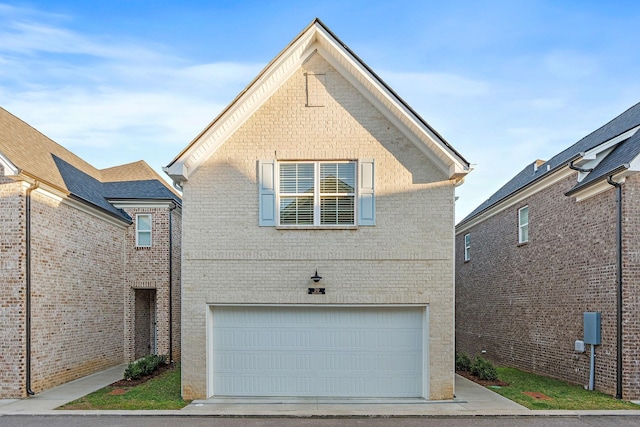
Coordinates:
(330, 351)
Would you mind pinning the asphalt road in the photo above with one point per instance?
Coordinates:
(172, 421)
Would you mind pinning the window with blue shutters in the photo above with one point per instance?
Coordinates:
(321, 194)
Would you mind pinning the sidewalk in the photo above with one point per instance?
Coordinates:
(471, 400)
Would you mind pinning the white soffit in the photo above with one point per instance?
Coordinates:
(315, 37)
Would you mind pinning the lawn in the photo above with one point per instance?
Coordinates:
(548, 393)
(161, 392)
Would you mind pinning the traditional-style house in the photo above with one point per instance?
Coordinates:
(560, 239)
(89, 263)
(318, 237)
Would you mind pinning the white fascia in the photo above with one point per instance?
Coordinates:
(516, 198)
(398, 114)
(9, 168)
(591, 158)
(143, 203)
(241, 109)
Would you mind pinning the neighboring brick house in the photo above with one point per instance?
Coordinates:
(542, 251)
(318, 237)
(86, 263)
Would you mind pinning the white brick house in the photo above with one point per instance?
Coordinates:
(89, 263)
(318, 166)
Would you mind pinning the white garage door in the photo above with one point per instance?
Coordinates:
(317, 351)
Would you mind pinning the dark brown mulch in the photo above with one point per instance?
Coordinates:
(484, 383)
(132, 383)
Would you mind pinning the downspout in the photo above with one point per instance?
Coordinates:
(618, 187)
(171, 282)
(28, 286)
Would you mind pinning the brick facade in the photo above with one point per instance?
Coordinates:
(84, 272)
(76, 293)
(147, 269)
(406, 258)
(12, 280)
(523, 304)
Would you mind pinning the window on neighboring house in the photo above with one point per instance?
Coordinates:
(467, 247)
(143, 230)
(316, 193)
(523, 224)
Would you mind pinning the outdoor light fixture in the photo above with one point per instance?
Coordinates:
(315, 277)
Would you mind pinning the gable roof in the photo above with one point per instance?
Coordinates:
(625, 150)
(32, 154)
(317, 38)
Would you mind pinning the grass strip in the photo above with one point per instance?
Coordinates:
(561, 395)
(161, 392)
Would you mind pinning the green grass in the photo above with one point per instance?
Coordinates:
(563, 395)
(161, 392)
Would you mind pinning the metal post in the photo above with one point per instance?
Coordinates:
(592, 370)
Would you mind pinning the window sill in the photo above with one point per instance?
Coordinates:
(316, 227)
(523, 243)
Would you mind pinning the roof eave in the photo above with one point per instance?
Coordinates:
(280, 69)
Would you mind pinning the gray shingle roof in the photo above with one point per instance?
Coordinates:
(621, 155)
(619, 158)
(39, 157)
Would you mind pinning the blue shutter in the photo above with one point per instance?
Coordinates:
(366, 196)
(267, 192)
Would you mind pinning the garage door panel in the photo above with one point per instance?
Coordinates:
(317, 351)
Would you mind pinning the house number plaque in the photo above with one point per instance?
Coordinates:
(316, 291)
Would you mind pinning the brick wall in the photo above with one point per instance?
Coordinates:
(176, 262)
(77, 293)
(404, 259)
(148, 269)
(631, 287)
(524, 304)
(12, 283)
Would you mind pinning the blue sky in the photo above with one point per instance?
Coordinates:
(505, 82)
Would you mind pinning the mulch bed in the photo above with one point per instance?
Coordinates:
(536, 395)
(132, 383)
(484, 383)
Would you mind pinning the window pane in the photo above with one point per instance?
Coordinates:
(524, 216)
(296, 210)
(524, 234)
(144, 238)
(144, 222)
(296, 178)
(337, 177)
(336, 210)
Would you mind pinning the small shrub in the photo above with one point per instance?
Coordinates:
(144, 366)
(463, 362)
(483, 369)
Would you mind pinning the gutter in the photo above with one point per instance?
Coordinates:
(618, 188)
(576, 168)
(28, 287)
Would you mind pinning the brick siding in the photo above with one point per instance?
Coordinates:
(77, 290)
(524, 304)
(84, 271)
(147, 268)
(406, 258)
(12, 282)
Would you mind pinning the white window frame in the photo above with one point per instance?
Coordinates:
(317, 195)
(522, 226)
(467, 246)
(140, 231)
